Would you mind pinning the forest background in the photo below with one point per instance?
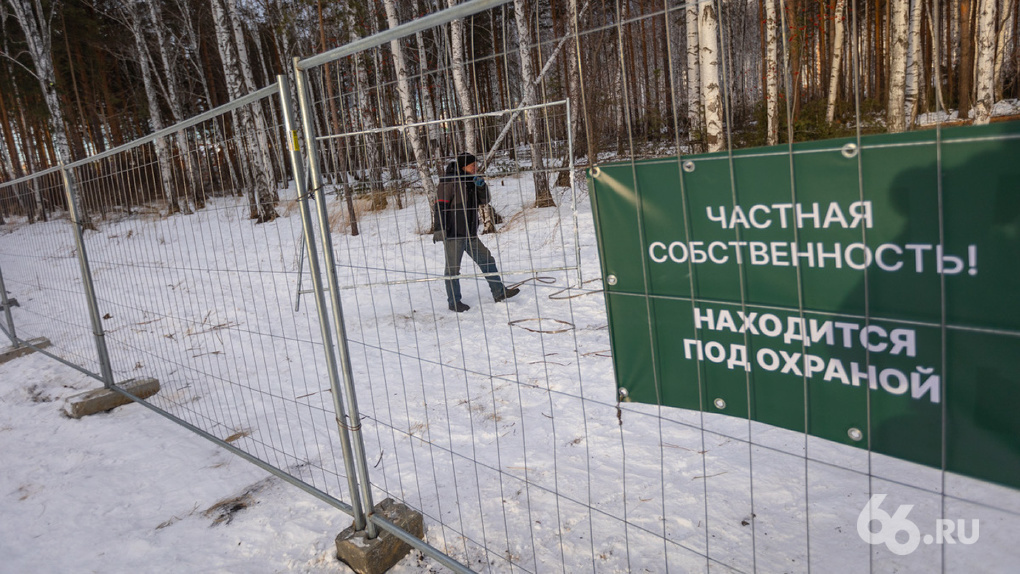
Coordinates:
(78, 77)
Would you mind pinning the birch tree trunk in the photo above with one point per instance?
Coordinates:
(543, 195)
(191, 40)
(252, 132)
(837, 60)
(618, 89)
(1006, 30)
(985, 62)
(772, 70)
(135, 20)
(242, 121)
(460, 82)
(937, 56)
(35, 23)
(915, 69)
(574, 84)
(708, 30)
(404, 90)
(176, 109)
(259, 140)
(895, 110)
(693, 74)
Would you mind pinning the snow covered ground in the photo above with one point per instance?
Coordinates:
(1002, 108)
(508, 439)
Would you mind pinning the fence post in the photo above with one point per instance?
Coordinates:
(353, 415)
(320, 300)
(105, 368)
(7, 311)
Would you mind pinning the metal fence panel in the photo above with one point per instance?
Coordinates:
(42, 271)
(503, 425)
(500, 423)
(195, 246)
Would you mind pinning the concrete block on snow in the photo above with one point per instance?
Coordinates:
(11, 353)
(102, 400)
(379, 554)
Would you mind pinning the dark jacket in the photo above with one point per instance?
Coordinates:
(457, 200)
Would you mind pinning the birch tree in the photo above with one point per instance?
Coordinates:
(985, 62)
(711, 96)
(134, 19)
(35, 23)
(460, 82)
(693, 72)
(404, 91)
(772, 70)
(837, 60)
(574, 81)
(915, 71)
(261, 200)
(1007, 27)
(896, 105)
(543, 195)
(190, 37)
(175, 101)
(260, 138)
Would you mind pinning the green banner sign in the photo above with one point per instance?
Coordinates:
(863, 292)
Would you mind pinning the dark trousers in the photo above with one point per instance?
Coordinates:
(455, 247)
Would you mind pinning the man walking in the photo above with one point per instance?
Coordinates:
(459, 194)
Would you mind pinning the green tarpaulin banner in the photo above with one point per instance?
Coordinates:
(863, 291)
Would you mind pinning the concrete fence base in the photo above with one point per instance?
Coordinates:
(102, 400)
(11, 353)
(379, 554)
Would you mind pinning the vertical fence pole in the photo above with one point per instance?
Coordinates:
(7, 311)
(573, 194)
(320, 299)
(105, 368)
(354, 416)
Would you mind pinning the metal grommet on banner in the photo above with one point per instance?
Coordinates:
(624, 394)
(689, 166)
(612, 280)
(596, 171)
(855, 434)
(719, 404)
(849, 150)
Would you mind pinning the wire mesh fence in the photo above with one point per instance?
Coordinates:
(203, 300)
(514, 409)
(503, 425)
(381, 215)
(42, 274)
